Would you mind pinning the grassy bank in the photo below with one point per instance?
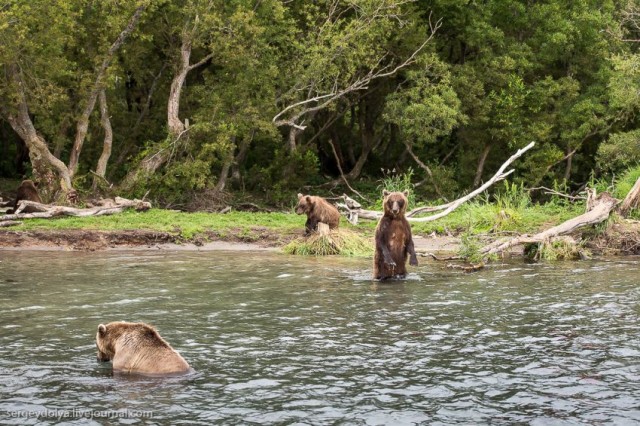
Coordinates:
(509, 211)
(476, 217)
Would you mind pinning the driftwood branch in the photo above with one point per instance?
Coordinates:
(7, 223)
(449, 207)
(598, 211)
(44, 211)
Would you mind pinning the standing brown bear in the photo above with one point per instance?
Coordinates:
(26, 191)
(393, 239)
(137, 348)
(317, 210)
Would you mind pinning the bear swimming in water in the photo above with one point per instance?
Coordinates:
(137, 348)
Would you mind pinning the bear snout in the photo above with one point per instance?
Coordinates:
(102, 357)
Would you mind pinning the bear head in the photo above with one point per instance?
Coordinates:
(132, 334)
(305, 204)
(105, 343)
(395, 203)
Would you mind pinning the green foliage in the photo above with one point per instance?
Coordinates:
(561, 249)
(426, 107)
(620, 151)
(393, 181)
(284, 173)
(626, 182)
(470, 247)
(495, 76)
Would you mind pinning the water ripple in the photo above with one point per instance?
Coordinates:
(275, 339)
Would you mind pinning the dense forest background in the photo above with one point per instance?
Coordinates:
(192, 102)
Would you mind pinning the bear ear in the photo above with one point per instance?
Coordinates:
(308, 199)
(406, 193)
(102, 329)
(300, 196)
(385, 193)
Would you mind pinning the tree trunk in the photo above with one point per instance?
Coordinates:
(567, 170)
(366, 119)
(226, 166)
(83, 122)
(242, 153)
(176, 126)
(124, 152)
(45, 165)
(293, 133)
(146, 168)
(101, 168)
(483, 157)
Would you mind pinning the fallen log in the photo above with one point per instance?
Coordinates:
(354, 213)
(599, 209)
(7, 223)
(44, 211)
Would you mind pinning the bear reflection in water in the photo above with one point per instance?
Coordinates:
(138, 348)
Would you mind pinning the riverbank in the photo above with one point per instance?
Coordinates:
(621, 238)
(93, 240)
(158, 229)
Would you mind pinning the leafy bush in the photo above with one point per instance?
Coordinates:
(393, 181)
(620, 152)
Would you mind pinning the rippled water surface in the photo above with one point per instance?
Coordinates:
(278, 339)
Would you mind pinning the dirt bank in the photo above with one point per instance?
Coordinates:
(91, 240)
(619, 239)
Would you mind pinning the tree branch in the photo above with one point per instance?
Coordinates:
(449, 207)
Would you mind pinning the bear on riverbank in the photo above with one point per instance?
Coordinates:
(26, 191)
(137, 348)
(317, 210)
(393, 239)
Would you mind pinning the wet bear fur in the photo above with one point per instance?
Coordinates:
(393, 239)
(26, 191)
(317, 210)
(137, 348)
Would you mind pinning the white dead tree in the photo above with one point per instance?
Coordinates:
(598, 209)
(44, 211)
(353, 213)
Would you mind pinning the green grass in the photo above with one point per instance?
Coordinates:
(477, 217)
(186, 225)
(513, 213)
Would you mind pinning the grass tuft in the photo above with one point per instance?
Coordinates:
(337, 242)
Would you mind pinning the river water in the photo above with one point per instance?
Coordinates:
(275, 339)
